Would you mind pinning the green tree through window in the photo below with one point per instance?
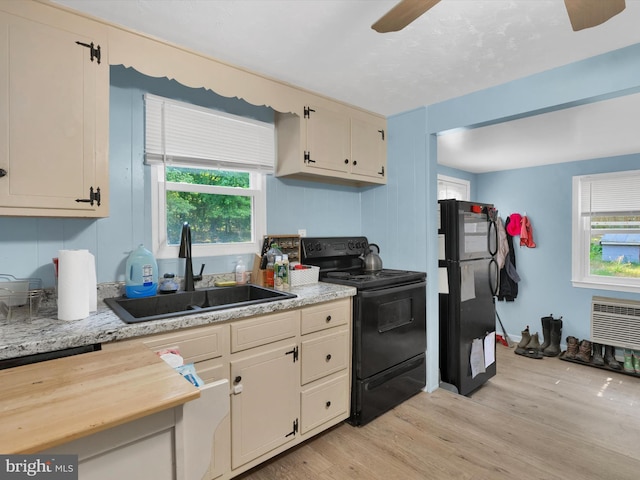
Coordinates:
(216, 215)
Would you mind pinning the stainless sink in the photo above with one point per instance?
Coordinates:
(133, 310)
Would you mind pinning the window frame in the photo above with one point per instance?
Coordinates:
(159, 187)
(581, 241)
(454, 181)
(186, 135)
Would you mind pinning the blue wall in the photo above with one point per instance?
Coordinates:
(402, 215)
(544, 194)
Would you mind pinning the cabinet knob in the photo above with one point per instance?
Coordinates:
(346, 161)
(328, 357)
(238, 379)
(3, 172)
(328, 404)
(328, 318)
(355, 162)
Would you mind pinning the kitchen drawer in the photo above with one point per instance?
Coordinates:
(324, 355)
(326, 315)
(263, 330)
(323, 402)
(212, 370)
(195, 344)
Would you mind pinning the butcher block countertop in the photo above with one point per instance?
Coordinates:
(46, 404)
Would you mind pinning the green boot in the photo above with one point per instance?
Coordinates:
(628, 361)
(526, 338)
(636, 361)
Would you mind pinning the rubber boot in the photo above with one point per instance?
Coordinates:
(572, 348)
(636, 361)
(584, 351)
(597, 355)
(628, 361)
(546, 331)
(532, 350)
(553, 349)
(610, 357)
(534, 342)
(526, 338)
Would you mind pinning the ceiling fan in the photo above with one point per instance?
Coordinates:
(582, 13)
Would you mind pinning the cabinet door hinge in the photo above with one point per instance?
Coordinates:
(307, 157)
(381, 132)
(293, 352)
(94, 196)
(295, 428)
(381, 172)
(93, 50)
(307, 111)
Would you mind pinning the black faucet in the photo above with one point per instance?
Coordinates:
(185, 252)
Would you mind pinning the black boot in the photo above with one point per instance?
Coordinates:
(597, 359)
(610, 357)
(546, 331)
(553, 350)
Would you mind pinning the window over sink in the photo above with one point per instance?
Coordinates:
(208, 169)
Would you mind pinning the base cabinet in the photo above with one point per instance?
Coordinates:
(280, 378)
(264, 402)
(142, 449)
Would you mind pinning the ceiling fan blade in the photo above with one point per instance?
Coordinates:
(402, 15)
(589, 13)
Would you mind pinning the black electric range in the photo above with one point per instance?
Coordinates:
(389, 324)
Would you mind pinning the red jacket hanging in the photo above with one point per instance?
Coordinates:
(526, 233)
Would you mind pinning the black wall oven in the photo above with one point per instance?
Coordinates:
(389, 325)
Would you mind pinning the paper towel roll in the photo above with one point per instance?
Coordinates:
(76, 284)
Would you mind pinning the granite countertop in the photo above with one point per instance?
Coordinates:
(46, 333)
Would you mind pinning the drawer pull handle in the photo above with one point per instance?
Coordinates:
(328, 357)
(238, 379)
(328, 404)
(328, 318)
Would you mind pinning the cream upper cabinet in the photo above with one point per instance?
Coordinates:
(340, 145)
(368, 148)
(328, 140)
(54, 94)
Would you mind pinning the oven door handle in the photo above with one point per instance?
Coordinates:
(392, 289)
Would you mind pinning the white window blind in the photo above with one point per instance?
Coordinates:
(184, 134)
(610, 193)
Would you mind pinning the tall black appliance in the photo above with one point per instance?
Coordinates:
(467, 310)
(389, 324)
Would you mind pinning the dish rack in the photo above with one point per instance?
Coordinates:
(19, 297)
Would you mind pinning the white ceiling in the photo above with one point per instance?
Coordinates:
(597, 130)
(327, 46)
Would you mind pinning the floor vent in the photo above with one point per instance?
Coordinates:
(615, 322)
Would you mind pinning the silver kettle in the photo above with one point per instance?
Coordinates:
(372, 261)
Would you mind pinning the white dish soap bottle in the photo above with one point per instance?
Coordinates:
(241, 272)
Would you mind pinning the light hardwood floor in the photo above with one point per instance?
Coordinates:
(537, 419)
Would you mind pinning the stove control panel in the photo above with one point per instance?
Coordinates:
(325, 247)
